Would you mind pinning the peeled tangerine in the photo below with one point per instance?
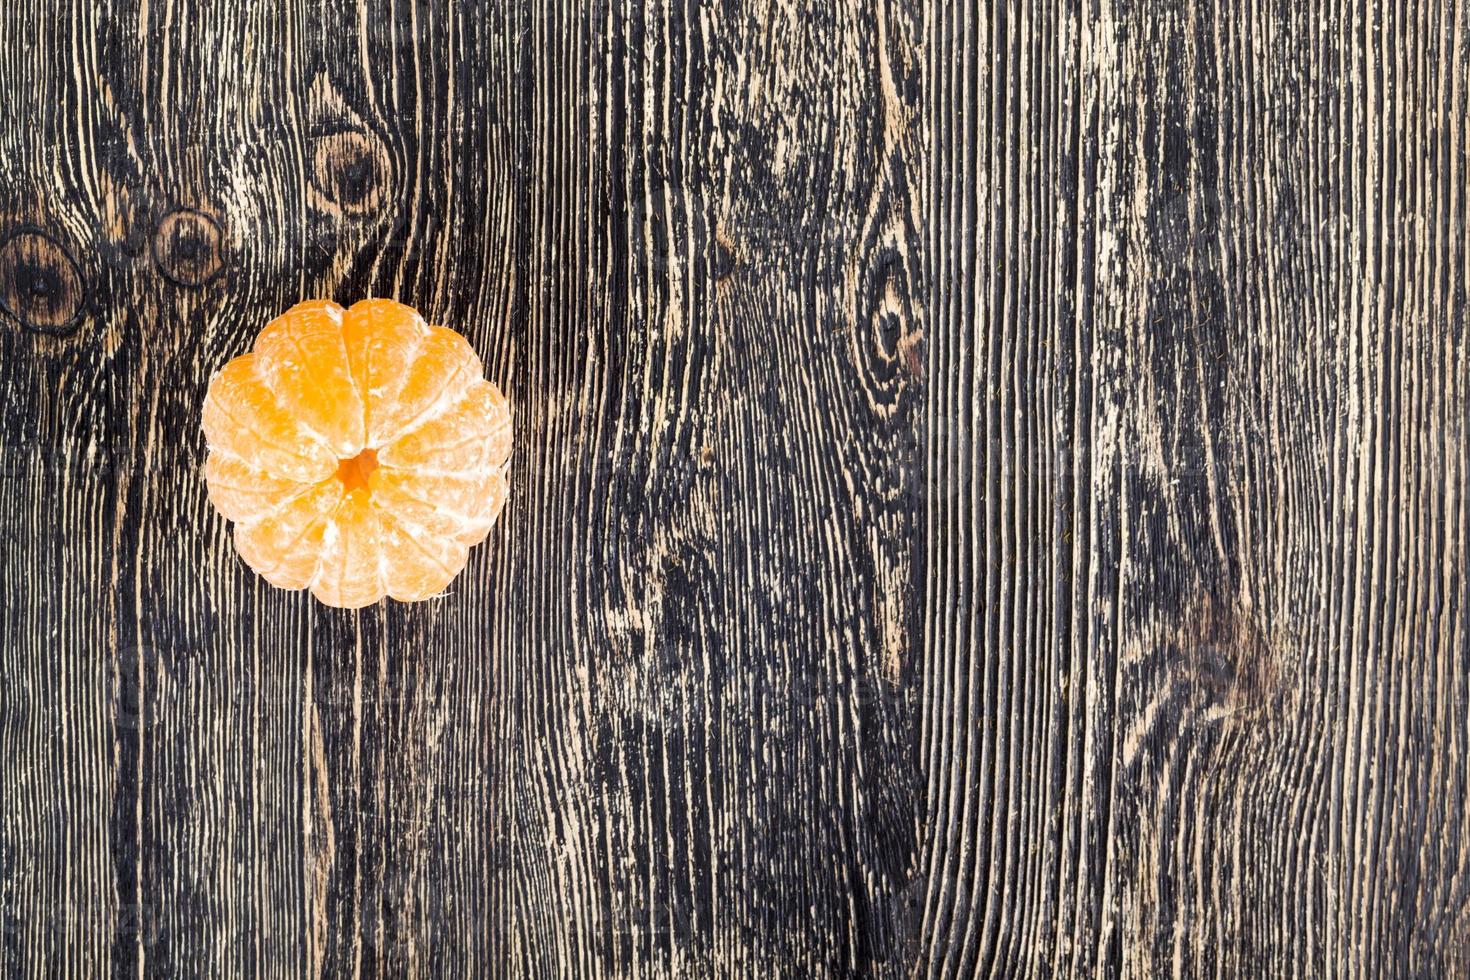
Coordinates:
(359, 452)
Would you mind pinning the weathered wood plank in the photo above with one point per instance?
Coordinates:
(664, 722)
(1197, 627)
(730, 510)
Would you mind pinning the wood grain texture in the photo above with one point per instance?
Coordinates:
(989, 498)
(1197, 626)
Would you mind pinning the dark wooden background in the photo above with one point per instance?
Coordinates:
(990, 494)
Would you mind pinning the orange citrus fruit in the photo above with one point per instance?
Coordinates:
(359, 452)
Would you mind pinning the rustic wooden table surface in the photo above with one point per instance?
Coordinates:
(990, 494)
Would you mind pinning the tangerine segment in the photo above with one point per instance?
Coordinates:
(418, 564)
(352, 573)
(243, 419)
(461, 506)
(286, 546)
(383, 339)
(243, 493)
(490, 507)
(445, 367)
(470, 433)
(302, 358)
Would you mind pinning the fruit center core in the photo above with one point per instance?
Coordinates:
(354, 472)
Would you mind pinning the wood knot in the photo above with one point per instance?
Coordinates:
(40, 283)
(886, 305)
(724, 261)
(886, 322)
(188, 247)
(349, 170)
(1228, 657)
